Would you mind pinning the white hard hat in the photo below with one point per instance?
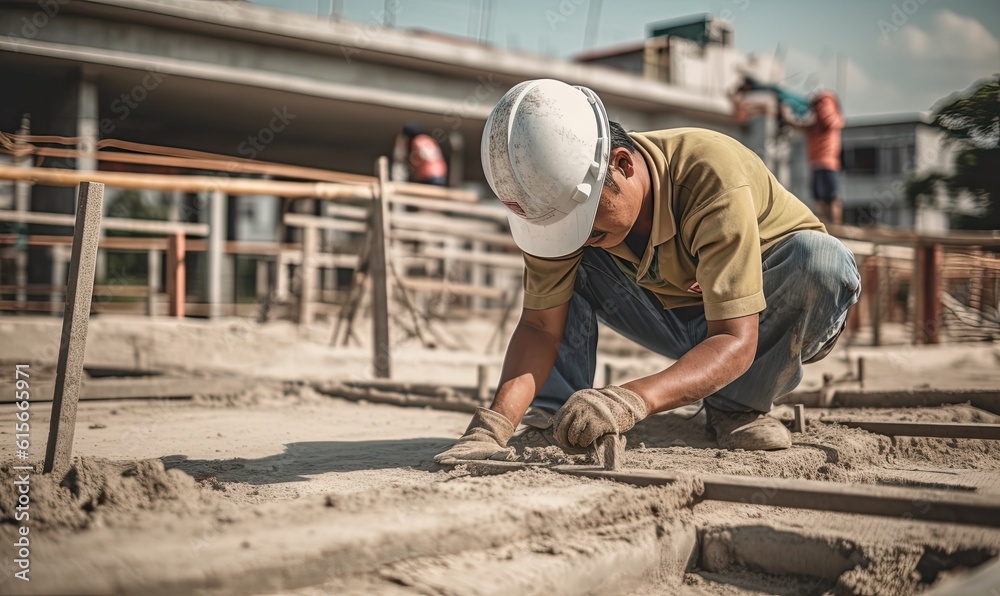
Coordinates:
(545, 152)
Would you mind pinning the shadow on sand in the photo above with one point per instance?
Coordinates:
(300, 460)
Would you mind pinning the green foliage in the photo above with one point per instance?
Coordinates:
(971, 124)
(131, 267)
(130, 204)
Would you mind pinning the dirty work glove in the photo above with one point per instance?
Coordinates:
(486, 438)
(593, 413)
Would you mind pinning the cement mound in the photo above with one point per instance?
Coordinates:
(96, 491)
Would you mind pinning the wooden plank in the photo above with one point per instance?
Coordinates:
(922, 429)
(436, 238)
(864, 499)
(398, 398)
(153, 387)
(110, 223)
(228, 185)
(381, 356)
(321, 259)
(76, 318)
(987, 399)
(433, 192)
(506, 261)
(495, 213)
(302, 220)
(447, 287)
(885, 235)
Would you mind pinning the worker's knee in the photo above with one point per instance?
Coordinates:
(823, 268)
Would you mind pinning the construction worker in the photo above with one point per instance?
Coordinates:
(680, 240)
(419, 157)
(822, 126)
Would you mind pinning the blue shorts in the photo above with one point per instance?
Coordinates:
(824, 185)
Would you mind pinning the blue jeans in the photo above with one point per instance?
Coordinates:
(810, 281)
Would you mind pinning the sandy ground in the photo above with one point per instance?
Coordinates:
(279, 489)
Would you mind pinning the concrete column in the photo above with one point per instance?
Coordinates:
(22, 202)
(58, 294)
(307, 285)
(216, 251)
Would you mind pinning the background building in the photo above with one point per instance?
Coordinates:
(879, 155)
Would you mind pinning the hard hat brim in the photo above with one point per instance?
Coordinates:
(560, 238)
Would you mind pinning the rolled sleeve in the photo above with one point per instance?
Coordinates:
(725, 239)
(549, 282)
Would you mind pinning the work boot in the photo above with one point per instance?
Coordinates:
(753, 431)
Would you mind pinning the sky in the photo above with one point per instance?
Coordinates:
(899, 56)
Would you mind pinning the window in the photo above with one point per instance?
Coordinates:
(862, 160)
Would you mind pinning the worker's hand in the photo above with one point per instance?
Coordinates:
(593, 413)
(486, 438)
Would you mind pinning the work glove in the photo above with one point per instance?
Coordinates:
(592, 413)
(486, 438)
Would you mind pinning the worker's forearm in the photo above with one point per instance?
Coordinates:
(708, 367)
(530, 356)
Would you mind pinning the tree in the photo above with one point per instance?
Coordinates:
(970, 122)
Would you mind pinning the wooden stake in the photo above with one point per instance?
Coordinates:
(76, 317)
(799, 425)
(382, 358)
(482, 383)
(152, 280)
(927, 270)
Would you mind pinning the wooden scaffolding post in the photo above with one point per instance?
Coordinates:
(76, 317)
(152, 280)
(176, 274)
(382, 358)
(927, 265)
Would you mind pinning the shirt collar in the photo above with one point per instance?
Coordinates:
(664, 224)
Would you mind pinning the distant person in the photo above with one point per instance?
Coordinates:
(822, 127)
(422, 157)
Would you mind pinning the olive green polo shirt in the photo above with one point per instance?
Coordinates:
(716, 208)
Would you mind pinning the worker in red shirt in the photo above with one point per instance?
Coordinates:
(822, 127)
(424, 160)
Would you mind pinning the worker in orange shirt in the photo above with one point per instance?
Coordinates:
(422, 156)
(822, 127)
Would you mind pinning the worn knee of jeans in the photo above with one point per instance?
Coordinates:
(830, 270)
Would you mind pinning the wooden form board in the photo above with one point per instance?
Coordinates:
(985, 399)
(946, 430)
(866, 499)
